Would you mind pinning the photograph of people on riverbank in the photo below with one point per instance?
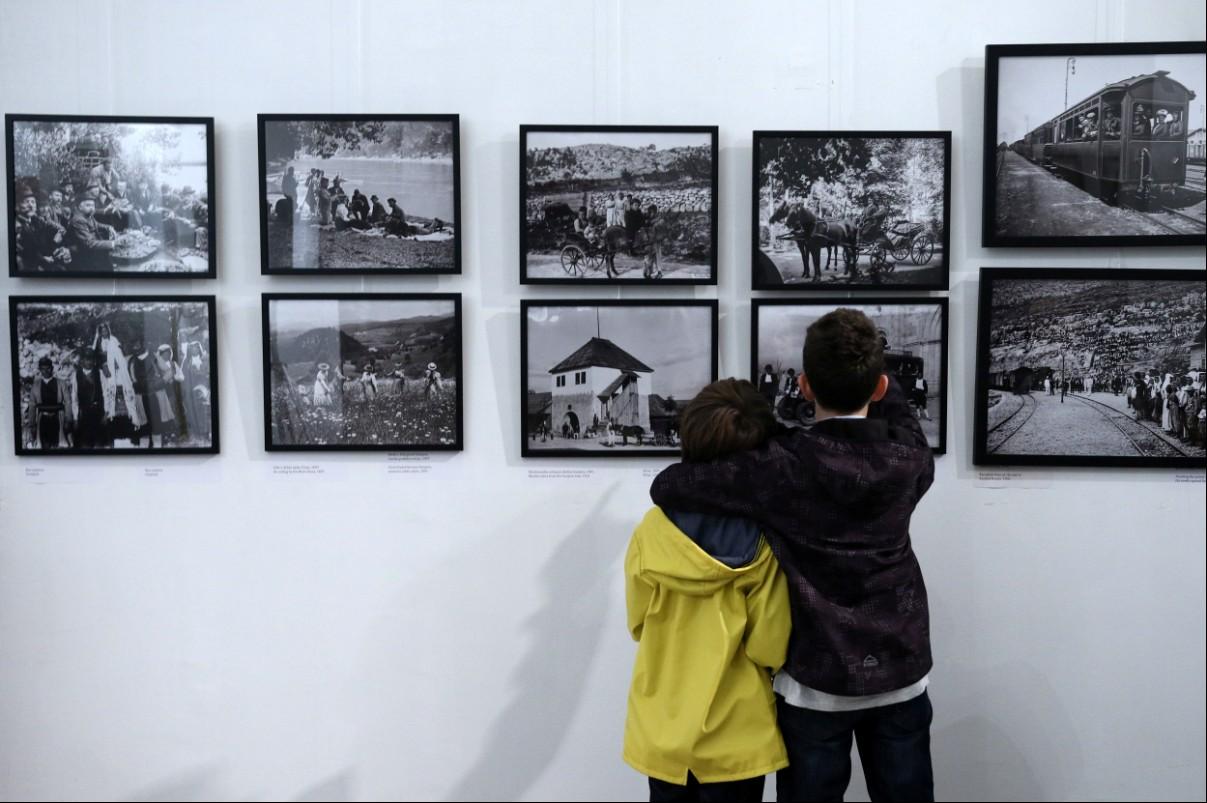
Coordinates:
(359, 194)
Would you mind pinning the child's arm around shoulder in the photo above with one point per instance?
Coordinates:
(895, 409)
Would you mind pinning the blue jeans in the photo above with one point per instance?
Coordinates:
(894, 748)
(747, 791)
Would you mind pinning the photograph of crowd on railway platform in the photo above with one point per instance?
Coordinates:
(98, 375)
(851, 209)
(1106, 366)
(360, 193)
(1089, 146)
(618, 204)
(107, 196)
(914, 336)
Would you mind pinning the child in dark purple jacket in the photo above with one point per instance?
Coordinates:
(835, 502)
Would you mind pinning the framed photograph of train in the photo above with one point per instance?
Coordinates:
(1090, 367)
(1094, 144)
(102, 375)
(618, 204)
(360, 194)
(362, 372)
(106, 197)
(602, 378)
(843, 210)
(914, 332)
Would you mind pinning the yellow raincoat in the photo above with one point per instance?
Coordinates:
(709, 637)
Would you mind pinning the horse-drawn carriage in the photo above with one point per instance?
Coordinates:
(883, 246)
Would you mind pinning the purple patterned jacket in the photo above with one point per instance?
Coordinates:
(835, 502)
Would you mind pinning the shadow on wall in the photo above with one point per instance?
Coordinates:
(550, 678)
(1014, 739)
(187, 785)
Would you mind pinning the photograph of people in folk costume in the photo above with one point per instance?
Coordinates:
(369, 373)
(114, 376)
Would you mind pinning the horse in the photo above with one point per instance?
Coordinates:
(811, 234)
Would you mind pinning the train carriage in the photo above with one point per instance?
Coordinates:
(1125, 143)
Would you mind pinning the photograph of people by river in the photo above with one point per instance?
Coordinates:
(359, 194)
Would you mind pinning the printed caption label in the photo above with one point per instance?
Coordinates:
(561, 473)
(1191, 479)
(405, 464)
(1013, 479)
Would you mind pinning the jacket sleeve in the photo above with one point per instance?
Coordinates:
(85, 237)
(895, 409)
(768, 618)
(637, 591)
(756, 485)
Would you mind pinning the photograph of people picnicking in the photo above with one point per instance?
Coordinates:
(95, 198)
(359, 194)
(777, 564)
(122, 375)
(618, 205)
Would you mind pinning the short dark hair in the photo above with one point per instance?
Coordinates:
(843, 359)
(729, 415)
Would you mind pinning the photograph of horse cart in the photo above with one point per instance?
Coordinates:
(618, 204)
(840, 210)
(913, 333)
(603, 378)
(1090, 145)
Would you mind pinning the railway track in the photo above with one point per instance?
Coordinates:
(1027, 406)
(1191, 225)
(1141, 437)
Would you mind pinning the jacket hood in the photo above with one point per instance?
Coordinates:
(676, 560)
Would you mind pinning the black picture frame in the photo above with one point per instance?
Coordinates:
(860, 302)
(14, 302)
(211, 194)
(710, 130)
(982, 455)
(266, 301)
(1095, 187)
(454, 120)
(761, 276)
(526, 304)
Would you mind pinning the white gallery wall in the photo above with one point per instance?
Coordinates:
(453, 628)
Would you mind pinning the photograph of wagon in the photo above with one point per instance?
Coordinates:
(875, 202)
(1090, 145)
(618, 204)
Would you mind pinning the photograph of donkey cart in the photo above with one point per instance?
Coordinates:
(914, 334)
(1094, 144)
(618, 204)
(610, 378)
(1091, 367)
(837, 210)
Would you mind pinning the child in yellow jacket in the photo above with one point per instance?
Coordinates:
(708, 606)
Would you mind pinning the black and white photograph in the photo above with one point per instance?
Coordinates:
(362, 372)
(611, 378)
(110, 196)
(914, 336)
(1094, 144)
(354, 194)
(844, 210)
(1091, 367)
(106, 375)
(618, 204)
